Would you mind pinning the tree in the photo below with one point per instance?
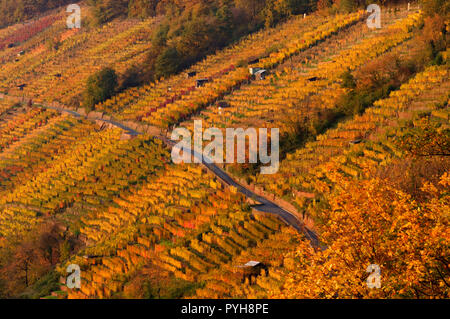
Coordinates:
(435, 38)
(347, 5)
(48, 244)
(24, 258)
(426, 139)
(271, 14)
(225, 20)
(100, 87)
(323, 4)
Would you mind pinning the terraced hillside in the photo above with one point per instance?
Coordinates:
(139, 225)
(308, 82)
(166, 102)
(342, 163)
(304, 170)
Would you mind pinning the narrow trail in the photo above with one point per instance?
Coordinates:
(265, 205)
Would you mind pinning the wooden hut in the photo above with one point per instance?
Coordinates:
(191, 74)
(254, 70)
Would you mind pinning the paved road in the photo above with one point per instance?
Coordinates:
(265, 205)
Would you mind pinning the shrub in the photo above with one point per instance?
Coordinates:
(100, 87)
(168, 63)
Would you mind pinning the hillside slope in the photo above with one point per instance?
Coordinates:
(363, 116)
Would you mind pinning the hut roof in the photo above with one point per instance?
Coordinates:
(252, 263)
(356, 141)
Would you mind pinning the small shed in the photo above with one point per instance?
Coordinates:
(251, 270)
(201, 82)
(58, 75)
(21, 86)
(254, 70)
(261, 74)
(191, 74)
(11, 45)
(21, 53)
(313, 79)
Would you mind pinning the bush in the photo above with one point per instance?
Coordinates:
(100, 87)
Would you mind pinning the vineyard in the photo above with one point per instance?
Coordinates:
(155, 223)
(59, 75)
(174, 99)
(304, 170)
(21, 34)
(134, 220)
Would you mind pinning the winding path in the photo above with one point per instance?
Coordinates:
(265, 205)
